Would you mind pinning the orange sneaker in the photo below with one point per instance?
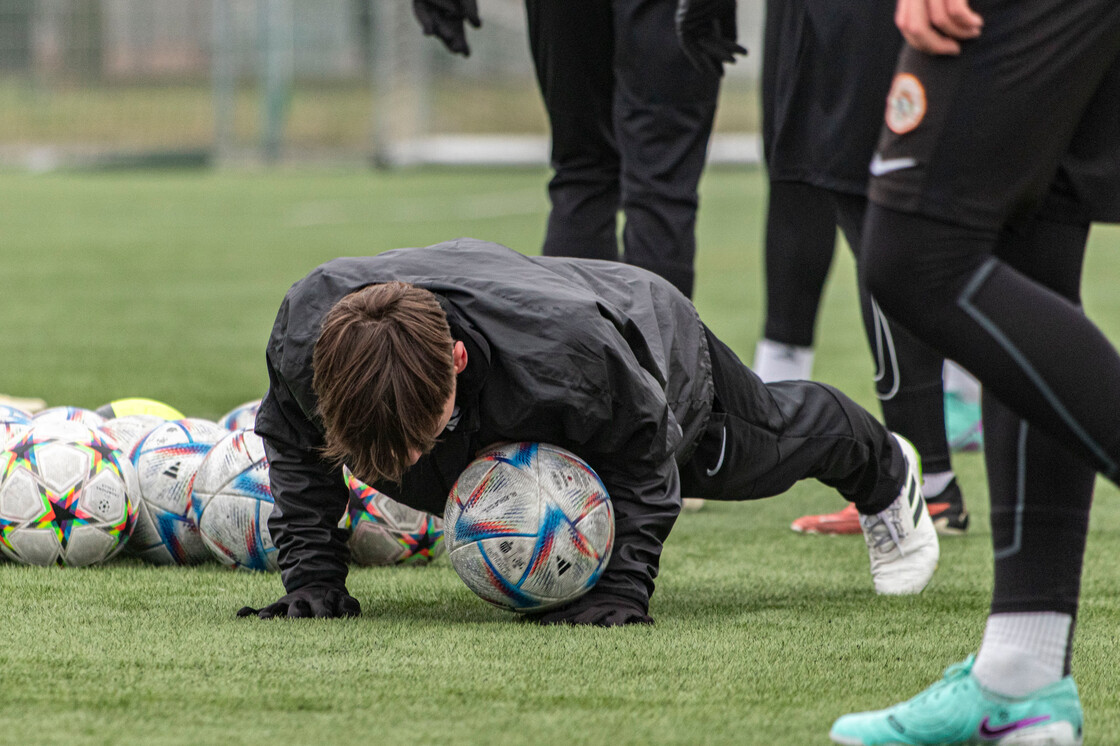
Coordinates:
(844, 521)
(948, 512)
(949, 518)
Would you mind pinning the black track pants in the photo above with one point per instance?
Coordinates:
(763, 438)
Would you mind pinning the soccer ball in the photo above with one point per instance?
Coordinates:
(166, 460)
(66, 496)
(136, 405)
(243, 416)
(86, 417)
(529, 526)
(8, 412)
(385, 532)
(14, 422)
(130, 428)
(232, 501)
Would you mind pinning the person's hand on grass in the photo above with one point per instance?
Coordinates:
(311, 601)
(596, 610)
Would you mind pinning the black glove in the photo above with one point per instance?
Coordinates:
(707, 32)
(444, 20)
(323, 601)
(598, 610)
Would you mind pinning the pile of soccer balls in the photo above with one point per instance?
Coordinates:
(78, 487)
(529, 526)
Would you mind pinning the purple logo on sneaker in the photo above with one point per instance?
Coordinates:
(990, 734)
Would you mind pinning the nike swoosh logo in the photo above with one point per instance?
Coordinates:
(989, 733)
(722, 453)
(880, 165)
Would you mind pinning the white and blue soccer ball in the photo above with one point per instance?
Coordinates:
(243, 416)
(83, 416)
(167, 459)
(232, 500)
(13, 423)
(130, 428)
(529, 526)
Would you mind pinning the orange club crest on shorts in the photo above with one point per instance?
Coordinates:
(906, 104)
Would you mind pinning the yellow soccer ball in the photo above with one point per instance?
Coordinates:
(136, 405)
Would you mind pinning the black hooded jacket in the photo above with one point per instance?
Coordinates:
(604, 359)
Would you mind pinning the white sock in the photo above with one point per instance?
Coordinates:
(934, 484)
(960, 382)
(1022, 652)
(774, 361)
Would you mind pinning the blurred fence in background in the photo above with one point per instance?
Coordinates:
(121, 82)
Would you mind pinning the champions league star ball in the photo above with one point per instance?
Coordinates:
(385, 532)
(166, 460)
(66, 496)
(529, 526)
(232, 501)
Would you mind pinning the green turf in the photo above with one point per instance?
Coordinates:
(165, 285)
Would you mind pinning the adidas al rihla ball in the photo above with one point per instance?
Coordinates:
(529, 526)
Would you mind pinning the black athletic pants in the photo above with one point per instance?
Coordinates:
(975, 242)
(763, 438)
(800, 240)
(800, 235)
(630, 120)
(1013, 317)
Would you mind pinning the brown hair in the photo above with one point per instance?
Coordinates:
(383, 371)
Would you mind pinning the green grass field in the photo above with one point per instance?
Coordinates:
(165, 285)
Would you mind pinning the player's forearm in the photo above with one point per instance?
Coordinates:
(645, 509)
(309, 502)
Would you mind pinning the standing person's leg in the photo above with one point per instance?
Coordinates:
(909, 386)
(572, 43)
(1029, 347)
(800, 240)
(663, 112)
(930, 254)
(800, 225)
(763, 438)
(1040, 496)
(934, 225)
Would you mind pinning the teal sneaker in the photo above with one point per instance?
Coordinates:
(964, 427)
(956, 710)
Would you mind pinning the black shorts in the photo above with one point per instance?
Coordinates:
(826, 68)
(1029, 108)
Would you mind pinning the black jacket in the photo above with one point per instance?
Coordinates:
(604, 359)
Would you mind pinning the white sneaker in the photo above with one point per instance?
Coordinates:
(901, 540)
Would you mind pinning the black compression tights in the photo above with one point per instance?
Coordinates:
(1007, 307)
(907, 372)
(800, 239)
